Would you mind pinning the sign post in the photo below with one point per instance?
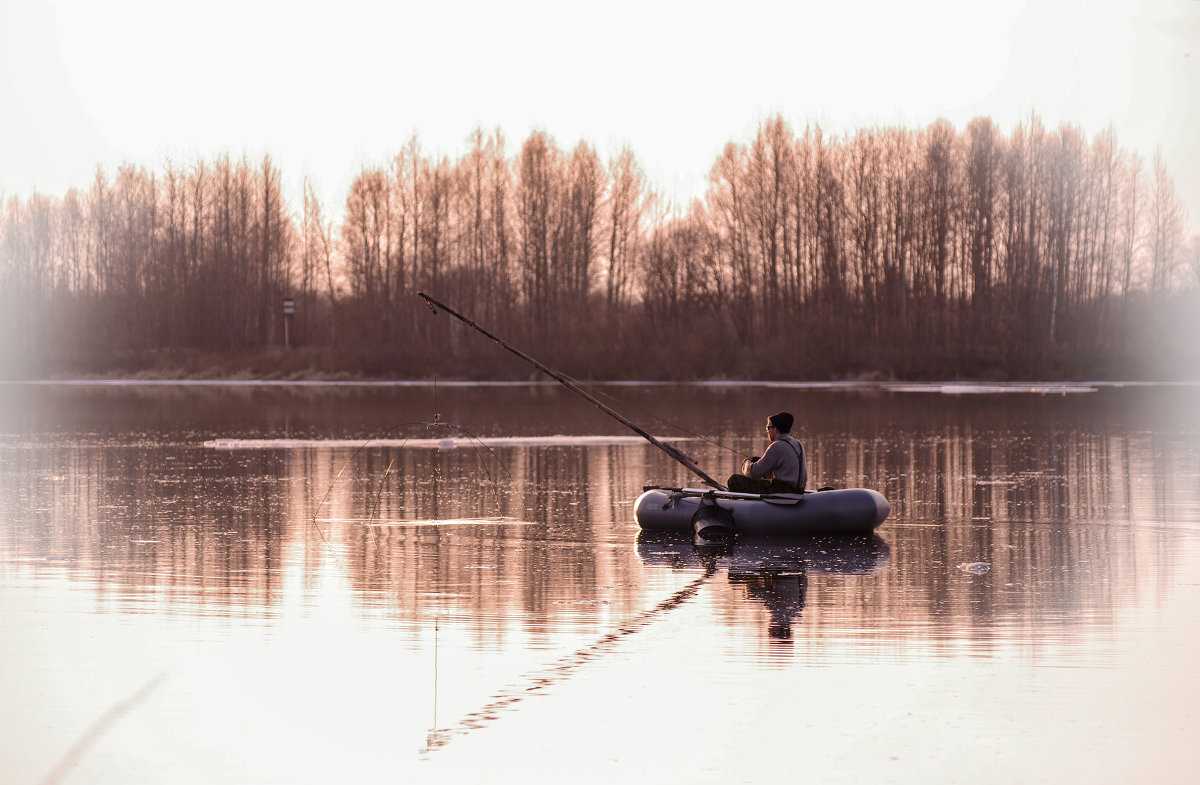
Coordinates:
(289, 309)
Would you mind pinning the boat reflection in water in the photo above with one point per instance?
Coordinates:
(772, 570)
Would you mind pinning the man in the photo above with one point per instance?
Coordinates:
(781, 469)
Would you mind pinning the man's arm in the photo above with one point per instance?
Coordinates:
(769, 462)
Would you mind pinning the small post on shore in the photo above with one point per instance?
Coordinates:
(289, 309)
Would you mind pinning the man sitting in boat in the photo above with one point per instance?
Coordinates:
(781, 468)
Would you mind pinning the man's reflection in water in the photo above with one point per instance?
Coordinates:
(782, 593)
(781, 590)
(773, 571)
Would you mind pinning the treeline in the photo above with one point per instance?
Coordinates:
(188, 259)
(909, 253)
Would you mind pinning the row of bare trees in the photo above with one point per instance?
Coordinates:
(927, 252)
(539, 245)
(193, 258)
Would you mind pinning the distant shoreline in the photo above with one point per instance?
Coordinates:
(942, 387)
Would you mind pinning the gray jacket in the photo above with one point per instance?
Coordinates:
(783, 460)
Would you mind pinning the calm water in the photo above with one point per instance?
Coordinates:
(294, 584)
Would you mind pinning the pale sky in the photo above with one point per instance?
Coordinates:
(326, 88)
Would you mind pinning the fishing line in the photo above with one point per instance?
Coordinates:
(346, 465)
(329, 490)
(475, 442)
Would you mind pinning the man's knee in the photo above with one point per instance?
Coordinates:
(740, 483)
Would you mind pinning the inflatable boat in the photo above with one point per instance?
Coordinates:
(714, 513)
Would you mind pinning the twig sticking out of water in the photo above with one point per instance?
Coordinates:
(379, 494)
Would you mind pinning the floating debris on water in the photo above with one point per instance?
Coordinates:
(971, 388)
(975, 567)
(437, 444)
(426, 522)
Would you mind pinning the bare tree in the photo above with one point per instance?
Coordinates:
(625, 204)
(1132, 192)
(316, 265)
(984, 153)
(1191, 257)
(538, 186)
(579, 229)
(1166, 227)
(729, 207)
(769, 178)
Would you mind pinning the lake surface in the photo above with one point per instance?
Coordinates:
(251, 583)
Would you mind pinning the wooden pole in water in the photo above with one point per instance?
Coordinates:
(669, 449)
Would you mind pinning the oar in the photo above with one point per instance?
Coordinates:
(769, 498)
(669, 449)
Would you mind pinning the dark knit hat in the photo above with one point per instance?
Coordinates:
(783, 421)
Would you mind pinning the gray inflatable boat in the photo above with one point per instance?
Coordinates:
(714, 513)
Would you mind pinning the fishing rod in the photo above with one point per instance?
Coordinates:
(671, 450)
